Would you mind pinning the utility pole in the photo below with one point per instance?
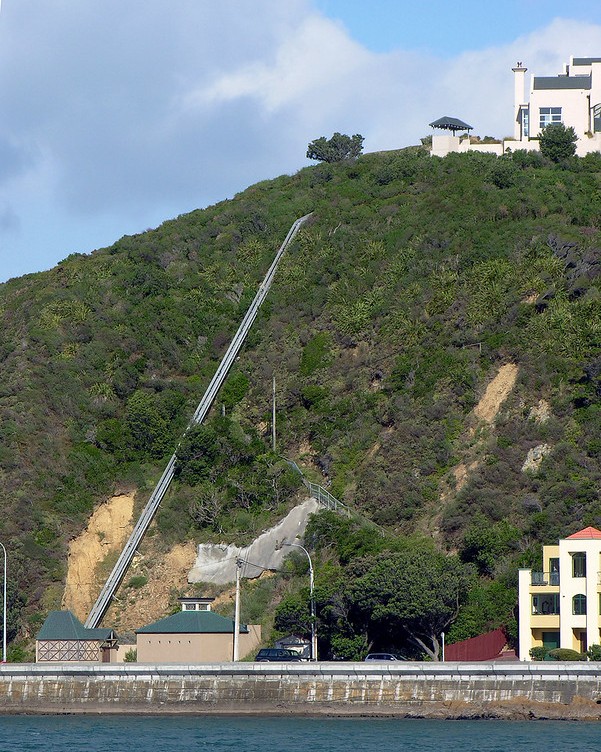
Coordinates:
(273, 442)
(4, 611)
(237, 612)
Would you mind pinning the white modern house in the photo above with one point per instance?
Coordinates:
(560, 606)
(572, 98)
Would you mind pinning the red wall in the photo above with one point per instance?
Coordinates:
(481, 648)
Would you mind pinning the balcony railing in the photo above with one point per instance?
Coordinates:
(544, 578)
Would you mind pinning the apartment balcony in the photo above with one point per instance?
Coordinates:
(546, 578)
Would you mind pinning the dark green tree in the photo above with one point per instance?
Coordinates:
(336, 149)
(417, 592)
(557, 142)
(197, 455)
(147, 424)
(485, 543)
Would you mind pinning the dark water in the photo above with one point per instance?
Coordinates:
(148, 733)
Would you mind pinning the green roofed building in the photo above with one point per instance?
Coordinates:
(194, 635)
(64, 638)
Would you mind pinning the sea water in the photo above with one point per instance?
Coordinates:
(108, 733)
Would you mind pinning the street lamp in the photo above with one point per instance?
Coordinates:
(4, 611)
(311, 586)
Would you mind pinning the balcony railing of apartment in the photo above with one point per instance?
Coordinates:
(546, 578)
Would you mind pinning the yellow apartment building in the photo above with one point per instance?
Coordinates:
(560, 606)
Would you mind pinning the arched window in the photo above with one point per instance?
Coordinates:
(579, 604)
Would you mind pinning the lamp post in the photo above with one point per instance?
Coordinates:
(4, 611)
(236, 655)
(311, 587)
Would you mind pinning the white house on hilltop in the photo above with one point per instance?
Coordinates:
(561, 606)
(572, 98)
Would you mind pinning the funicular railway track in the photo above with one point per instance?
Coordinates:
(110, 587)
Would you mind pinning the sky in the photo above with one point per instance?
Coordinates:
(116, 115)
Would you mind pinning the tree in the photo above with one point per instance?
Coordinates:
(485, 543)
(197, 455)
(417, 592)
(557, 142)
(337, 149)
(146, 422)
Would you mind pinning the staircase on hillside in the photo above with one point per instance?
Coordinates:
(114, 579)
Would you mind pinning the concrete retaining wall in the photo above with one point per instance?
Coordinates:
(450, 690)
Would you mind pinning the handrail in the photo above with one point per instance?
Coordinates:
(330, 502)
(110, 586)
(321, 494)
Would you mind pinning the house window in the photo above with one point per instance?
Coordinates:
(579, 605)
(597, 118)
(551, 640)
(549, 115)
(189, 606)
(525, 123)
(546, 603)
(554, 571)
(579, 565)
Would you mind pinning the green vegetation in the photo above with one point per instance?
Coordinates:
(414, 280)
(558, 142)
(336, 149)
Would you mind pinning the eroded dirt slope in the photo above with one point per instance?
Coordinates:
(106, 533)
(93, 553)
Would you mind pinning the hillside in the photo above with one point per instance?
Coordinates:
(416, 282)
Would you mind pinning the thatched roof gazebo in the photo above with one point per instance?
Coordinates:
(451, 124)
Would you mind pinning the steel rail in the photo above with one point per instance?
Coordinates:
(114, 579)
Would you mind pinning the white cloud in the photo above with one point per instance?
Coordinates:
(316, 54)
(118, 115)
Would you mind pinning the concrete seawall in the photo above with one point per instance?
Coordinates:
(425, 690)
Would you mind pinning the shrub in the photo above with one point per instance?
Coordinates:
(565, 654)
(131, 656)
(137, 581)
(558, 142)
(539, 653)
(594, 653)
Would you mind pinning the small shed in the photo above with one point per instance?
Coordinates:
(194, 635)
(452, 124)
(64, 638)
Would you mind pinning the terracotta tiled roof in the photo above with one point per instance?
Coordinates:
(588, 533)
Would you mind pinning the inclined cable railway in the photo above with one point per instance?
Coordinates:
(108, 591)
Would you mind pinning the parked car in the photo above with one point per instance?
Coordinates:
(277, 654)
(381, 657)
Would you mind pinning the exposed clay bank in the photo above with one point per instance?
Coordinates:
(420, 690)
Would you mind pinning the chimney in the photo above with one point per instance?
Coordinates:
(519, 80)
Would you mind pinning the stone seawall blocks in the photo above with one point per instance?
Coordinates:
(413, 689)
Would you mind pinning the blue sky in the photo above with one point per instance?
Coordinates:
(117, 115)
(445, 27)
